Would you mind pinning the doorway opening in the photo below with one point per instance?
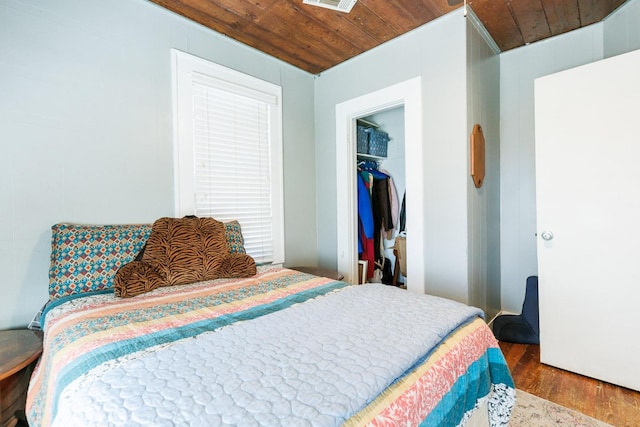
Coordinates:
(380, 152)
(406, 95)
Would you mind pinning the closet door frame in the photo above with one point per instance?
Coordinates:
(405, 94)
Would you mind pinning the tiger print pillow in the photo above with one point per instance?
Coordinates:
(185, 250)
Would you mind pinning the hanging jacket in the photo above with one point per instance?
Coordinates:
(365, 214)
(395, 205)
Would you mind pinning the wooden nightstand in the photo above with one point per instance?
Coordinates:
(19, 350)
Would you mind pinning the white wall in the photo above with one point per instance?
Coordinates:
(619, 33)
(460, 78)
(437, 53)
(483, 100)
(87, 128)
(444, 73)
(363, 74)
(622, 29)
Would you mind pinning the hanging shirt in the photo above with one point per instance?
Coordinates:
(395, 204)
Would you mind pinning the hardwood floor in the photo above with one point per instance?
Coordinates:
(615, 405)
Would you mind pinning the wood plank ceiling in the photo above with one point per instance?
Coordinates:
(315, 39)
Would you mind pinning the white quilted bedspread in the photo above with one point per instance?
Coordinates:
(313, 364)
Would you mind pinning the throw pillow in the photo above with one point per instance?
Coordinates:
(85, 258)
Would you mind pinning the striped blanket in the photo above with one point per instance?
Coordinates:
(95, 345)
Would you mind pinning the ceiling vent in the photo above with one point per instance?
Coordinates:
(339, 5)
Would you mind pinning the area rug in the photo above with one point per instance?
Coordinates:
(533, 411)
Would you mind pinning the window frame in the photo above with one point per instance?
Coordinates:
(186, 69)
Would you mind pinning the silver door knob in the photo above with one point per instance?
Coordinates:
(546, 235)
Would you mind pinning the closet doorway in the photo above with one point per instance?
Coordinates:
(381, 189)
(405, 96)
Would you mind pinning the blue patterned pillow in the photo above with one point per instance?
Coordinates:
(85, 258)
(235, 241)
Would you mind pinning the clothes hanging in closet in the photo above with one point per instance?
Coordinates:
(382, 197)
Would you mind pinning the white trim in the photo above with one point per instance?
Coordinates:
(473, 18)
(188, 69)
(178, 124)
(241, 88)
(407, 93)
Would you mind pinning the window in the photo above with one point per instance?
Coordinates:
(228, 151)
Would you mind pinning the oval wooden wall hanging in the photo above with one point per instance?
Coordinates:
(477, 156)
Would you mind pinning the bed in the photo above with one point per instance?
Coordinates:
(279, 347)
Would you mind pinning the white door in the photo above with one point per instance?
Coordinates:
(588, 219)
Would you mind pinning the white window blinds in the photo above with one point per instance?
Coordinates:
(231, 168)
(232, 164)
